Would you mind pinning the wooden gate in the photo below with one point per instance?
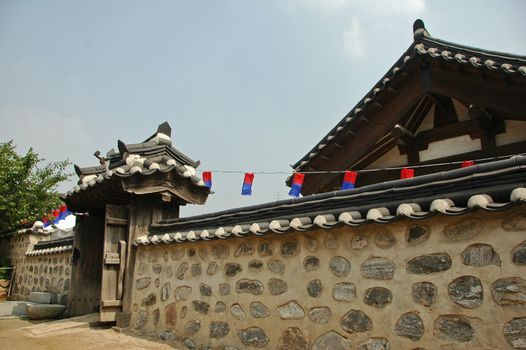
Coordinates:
(114, 261)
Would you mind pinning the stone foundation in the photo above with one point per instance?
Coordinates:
(444, 282)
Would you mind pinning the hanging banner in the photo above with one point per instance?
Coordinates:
(246, 190)
(349, 180)
(207, 179)
(297, 182)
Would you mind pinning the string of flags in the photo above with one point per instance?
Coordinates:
(349, 177)
(56, 216)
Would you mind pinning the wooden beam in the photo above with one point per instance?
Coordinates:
(471, 87)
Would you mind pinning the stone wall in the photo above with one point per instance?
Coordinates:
(43, 273)
(444, 282)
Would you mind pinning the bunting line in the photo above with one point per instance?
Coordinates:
(461, 162)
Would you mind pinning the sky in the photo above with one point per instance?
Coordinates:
(246, 85)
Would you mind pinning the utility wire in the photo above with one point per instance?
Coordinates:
(362, 170)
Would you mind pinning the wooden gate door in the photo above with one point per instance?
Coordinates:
(114, 261)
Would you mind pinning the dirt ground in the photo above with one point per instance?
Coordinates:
(14, 337)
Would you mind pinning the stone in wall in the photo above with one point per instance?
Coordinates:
(142, 318)
(265, 248)
(291, 311)
(417, 234)
(149, 300)
(253, 336)
(205, 290)
(142, 283)
(358, 242)
(224, 289)
(424, 293)
(455, 328)
(191, 252)
(410, 325)
(157, 282)
(220, 307)
(169, 272)
(344, 291)
(192, 327)
(167, 335)
(143, 268)
(375, 344)
(311, 263)
(311, 244)
(218, 329)
(157, 268)
(203, 253)
(340, 266)
(330, 241)
(515, 223)
(184, 310)
(356, 321)
(177, 254)
(292, 339)
(430, 263)
(249, 286)
(165, 291)
(377, 297)
(384, 239)
(181, 270)
(515, 332)
(277, 286)
(320, 314)
(201, 306)
(290, 247)
(231, 269)
(153, 256)
(212, 268)
(276, 266)
(170, 316)
(378, 268)
(196, 270)
(220, 251)
(259, 310)
(237, 311)
(466, 229)
(314, 288)
(518, 254)
(255, 265)
(182, 293)
(244, 249)
(331, 340)
(510, 291)
(479, 254)
(466, 291)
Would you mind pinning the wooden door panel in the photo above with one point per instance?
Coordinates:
(114, 259)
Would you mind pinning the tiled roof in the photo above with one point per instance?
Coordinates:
(156, 154)
(423, 46)
(56, 246)
(492, 186)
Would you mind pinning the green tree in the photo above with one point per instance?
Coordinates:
(28, 191)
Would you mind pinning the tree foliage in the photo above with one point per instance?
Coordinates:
(28, 191)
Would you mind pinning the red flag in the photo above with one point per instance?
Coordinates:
(467, 163)
(407, 173)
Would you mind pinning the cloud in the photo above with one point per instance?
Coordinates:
(353, 40)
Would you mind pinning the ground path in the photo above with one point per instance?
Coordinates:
(22, 334)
